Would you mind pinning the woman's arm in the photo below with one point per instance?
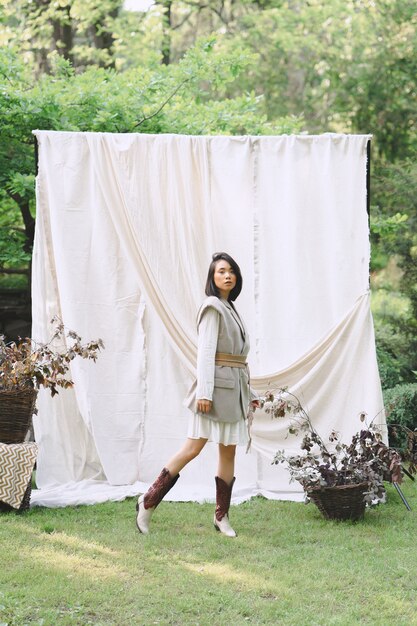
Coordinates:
(208, 331)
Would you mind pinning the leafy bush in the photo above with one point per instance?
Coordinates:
(401, 405)
(392, 353)
(389, 368)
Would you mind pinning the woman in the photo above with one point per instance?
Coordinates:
(219, 398)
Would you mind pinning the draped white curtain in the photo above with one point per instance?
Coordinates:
(126, 226)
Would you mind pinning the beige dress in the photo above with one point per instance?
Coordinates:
(200, 426)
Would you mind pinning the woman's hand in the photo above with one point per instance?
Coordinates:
(255, 404)
(204, 406)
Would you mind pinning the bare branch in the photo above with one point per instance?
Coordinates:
(148, 117)
(183, 21)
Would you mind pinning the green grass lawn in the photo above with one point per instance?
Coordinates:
(89, 565)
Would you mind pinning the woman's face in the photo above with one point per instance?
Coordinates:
(224, 278)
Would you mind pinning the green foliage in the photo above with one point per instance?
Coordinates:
(342, 65)
(106, 101)
(394, 236)
(137, 39)
(13, 253)
(394, 203)
(400, 403)
(385, 230)
(387, 66)
(391, 350)
(12, 248)
(79, 30)
(391, 312)
(21, 184)
(387, 227)
(184, 98)
(396, 345)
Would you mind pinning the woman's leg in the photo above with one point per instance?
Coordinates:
(224, 485)
(226, 465)
(166, 480)
(190, 449)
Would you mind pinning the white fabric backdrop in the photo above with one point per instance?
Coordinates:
(126, 225)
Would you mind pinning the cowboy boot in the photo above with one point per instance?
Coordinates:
(221, 516)
(147, 503)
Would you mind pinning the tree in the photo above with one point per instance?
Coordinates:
(380, 88)
(79, 30)
(394, 234)
(185, 97)
(344, 65)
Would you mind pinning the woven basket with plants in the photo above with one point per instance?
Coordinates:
(25, 366)
(340, 478)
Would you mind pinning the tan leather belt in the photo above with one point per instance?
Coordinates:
(230, 360)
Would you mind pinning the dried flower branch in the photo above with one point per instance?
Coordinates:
(365, 459)
(27, 364)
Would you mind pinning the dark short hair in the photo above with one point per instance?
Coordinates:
(211, 289)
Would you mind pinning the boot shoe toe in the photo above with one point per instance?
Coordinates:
(143, 517)
(224, 526)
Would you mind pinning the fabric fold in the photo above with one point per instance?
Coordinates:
(110, 177)
(329, 381)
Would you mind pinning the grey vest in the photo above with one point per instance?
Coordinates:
(231, 393)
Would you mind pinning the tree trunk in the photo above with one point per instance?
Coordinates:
(103, 38)
(63, 35)
(166, 30)
(28, 220)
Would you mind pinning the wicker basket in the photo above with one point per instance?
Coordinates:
(16, 410)
(24, 505)
(344, 502)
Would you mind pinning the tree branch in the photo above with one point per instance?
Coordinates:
(182, 22)
(148, 117)
(6, 270)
